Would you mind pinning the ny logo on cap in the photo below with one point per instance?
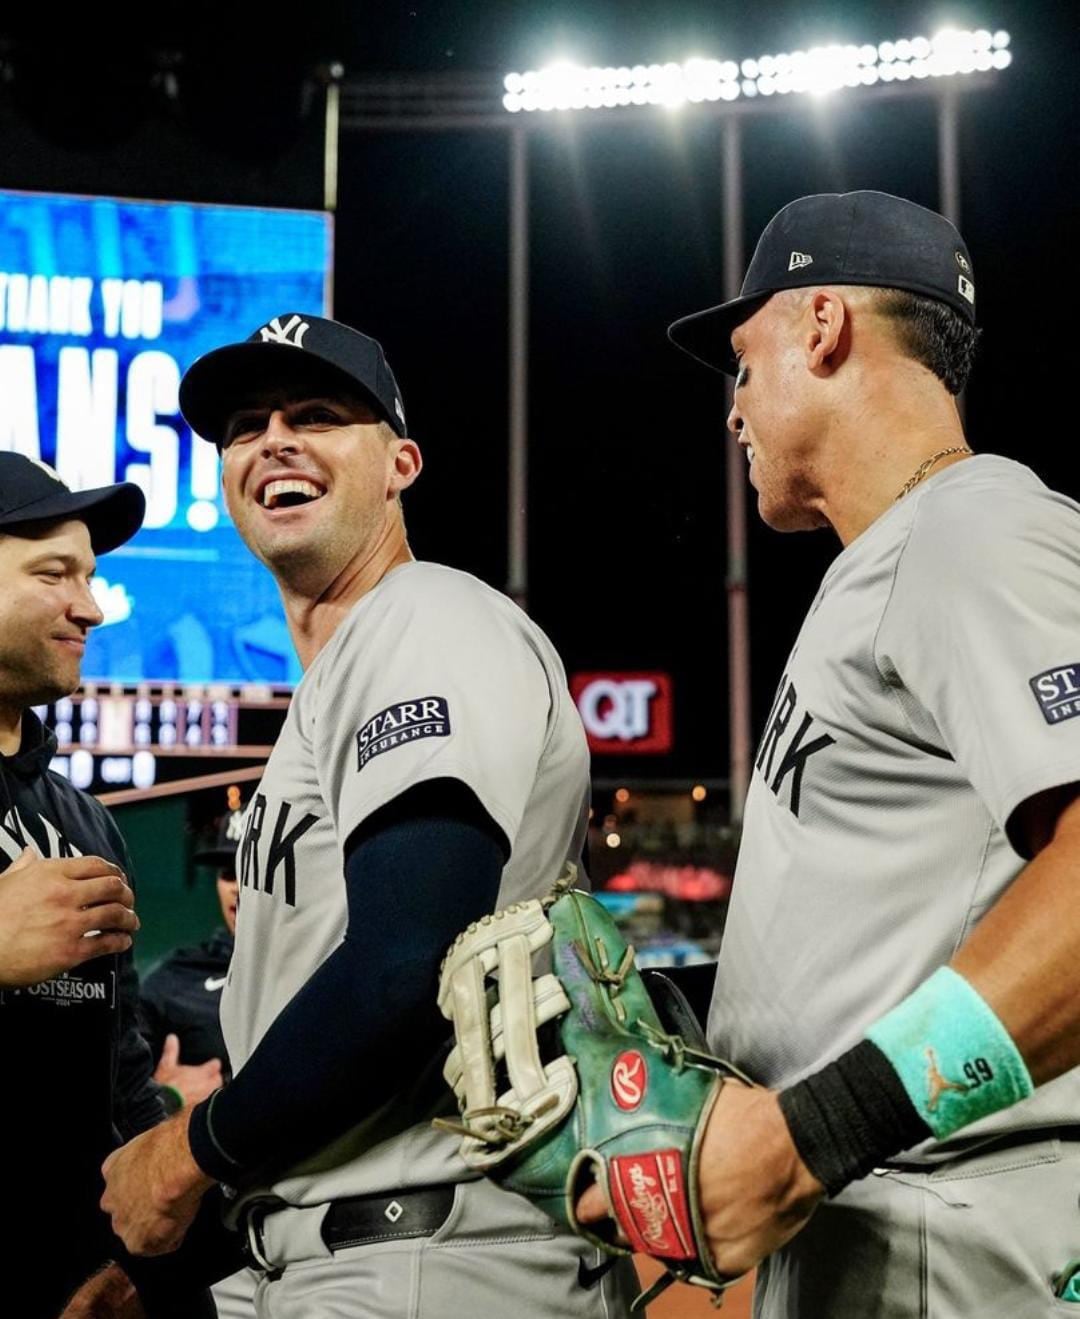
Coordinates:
(48, 470)
(292, 334)
(798, 260)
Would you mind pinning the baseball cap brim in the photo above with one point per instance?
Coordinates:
(113, 514)
(216, 385)
(706, 335)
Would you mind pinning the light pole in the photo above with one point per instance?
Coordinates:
(940, 67)
(517, 584)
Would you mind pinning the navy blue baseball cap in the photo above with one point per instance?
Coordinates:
(292, 349)
(227, 836)
(868, 238)
(30, 491)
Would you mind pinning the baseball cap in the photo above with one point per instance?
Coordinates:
(222, 852)
(30, 491)
(293, 348)
(869, 238)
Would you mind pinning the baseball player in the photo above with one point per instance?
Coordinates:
(899, 966)
(180, 1019)
(432, 766)
(179, 1000)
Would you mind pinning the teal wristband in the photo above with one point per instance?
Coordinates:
(954, 1058)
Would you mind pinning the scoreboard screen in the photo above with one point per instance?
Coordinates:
(103, 305)
(151, 739)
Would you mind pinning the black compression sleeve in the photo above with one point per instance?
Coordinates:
(849, 1116)
(420, 872)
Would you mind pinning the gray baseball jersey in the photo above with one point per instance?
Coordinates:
(933, 688)
(431, 675)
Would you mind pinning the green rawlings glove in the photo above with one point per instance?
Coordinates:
(573, 1076)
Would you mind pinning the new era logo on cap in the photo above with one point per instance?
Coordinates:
(857, 238)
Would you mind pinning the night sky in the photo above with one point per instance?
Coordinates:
(627, 505)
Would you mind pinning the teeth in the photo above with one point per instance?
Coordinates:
(274, 490)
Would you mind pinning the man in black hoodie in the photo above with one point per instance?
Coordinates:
(179, 999)
(77, 1073)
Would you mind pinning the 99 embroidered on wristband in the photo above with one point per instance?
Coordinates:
(955, 1059)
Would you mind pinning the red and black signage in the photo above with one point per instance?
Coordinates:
(625, 713)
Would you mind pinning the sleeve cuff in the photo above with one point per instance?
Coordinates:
(206, 1147)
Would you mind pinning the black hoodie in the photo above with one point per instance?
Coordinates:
(76, 1074)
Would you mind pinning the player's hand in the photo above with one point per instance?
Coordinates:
(755, 1191)
(153, 1187)
(109, 1294)
(57, 914)
(194, 1081)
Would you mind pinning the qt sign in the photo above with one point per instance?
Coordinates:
(625, 713)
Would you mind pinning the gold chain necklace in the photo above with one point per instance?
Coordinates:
(920, 471)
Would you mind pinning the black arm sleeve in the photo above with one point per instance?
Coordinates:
(415, 875)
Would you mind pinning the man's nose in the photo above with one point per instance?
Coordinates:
(84, 608)
(279, 435)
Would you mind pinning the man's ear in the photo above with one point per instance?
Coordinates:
(406, 465)
(828, 331)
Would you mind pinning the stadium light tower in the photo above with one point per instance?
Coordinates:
(916, 65)
(941, 66)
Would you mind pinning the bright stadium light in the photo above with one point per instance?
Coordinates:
(949, 53)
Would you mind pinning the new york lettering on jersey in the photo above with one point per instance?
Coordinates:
(267, 849)
(795, 728)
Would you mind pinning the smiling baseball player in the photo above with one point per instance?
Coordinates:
(899, 972)
(432, 766)
(899, 966)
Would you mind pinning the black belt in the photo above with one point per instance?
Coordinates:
(414, 1213)
(362, 1219)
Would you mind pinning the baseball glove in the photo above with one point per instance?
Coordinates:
(580, 1074)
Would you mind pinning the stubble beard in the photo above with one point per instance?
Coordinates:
(309, 566)
(37, 679)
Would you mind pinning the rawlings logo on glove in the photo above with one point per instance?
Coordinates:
(629, 1078)
(578, 1074)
